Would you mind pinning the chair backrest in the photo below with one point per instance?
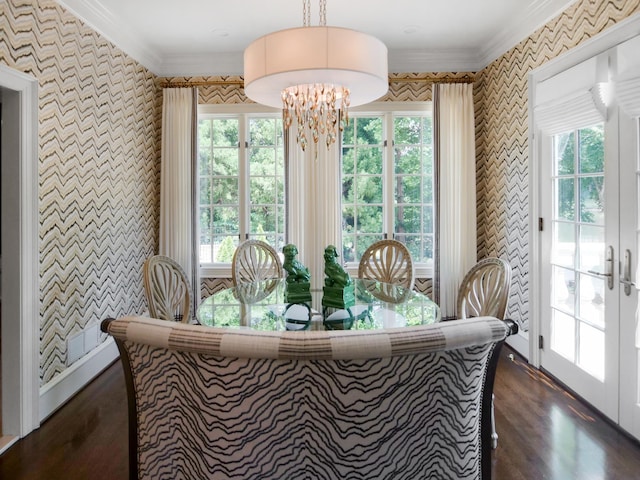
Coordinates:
(234, 394)
(387, 261)
(484, 291)
(255, 261)
(167, 289)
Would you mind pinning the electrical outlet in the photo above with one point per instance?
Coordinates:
(90, 337)
(75, 347)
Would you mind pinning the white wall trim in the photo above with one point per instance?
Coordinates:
(64, 386)
(21, 309)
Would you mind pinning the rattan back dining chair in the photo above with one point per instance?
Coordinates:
(167, 289)
(255, 261)
(387, 261)
(484, 291)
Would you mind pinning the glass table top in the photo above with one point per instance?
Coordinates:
(262, 306)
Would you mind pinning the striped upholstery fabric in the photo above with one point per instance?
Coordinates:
(240, 404)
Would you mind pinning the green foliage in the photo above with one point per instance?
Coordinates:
(226, 250)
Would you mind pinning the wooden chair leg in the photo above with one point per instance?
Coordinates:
(494, 434)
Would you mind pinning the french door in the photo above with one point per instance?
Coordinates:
(589, 257)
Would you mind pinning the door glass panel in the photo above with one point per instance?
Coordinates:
(563, 334)
(565, 199)
(591, 356)
(592, 200)
(565, 244)
(564, 287)
(592, 248)
(592, 299)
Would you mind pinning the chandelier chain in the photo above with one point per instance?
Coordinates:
(323, 13)
(306, 13)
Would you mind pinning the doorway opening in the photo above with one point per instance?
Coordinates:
(19, 307)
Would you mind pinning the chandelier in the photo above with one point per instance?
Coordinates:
(314, 72)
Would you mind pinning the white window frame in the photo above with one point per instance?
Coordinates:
(243, 112)
(389, 110)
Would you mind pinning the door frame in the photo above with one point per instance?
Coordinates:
(20, 270)
(622, 31)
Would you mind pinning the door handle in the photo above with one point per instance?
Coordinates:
(609, 268)
(626, 273)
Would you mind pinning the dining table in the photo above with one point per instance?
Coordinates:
(263, 306)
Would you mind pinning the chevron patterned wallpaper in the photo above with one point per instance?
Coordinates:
(502, 136)
(99, 114)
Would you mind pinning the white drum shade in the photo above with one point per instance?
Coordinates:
(315, 55)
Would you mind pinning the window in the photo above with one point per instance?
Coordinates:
(388, 192)
(242, 183)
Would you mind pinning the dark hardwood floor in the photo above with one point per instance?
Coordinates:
(545, 433)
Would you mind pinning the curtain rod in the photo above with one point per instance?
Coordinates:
(203, 83)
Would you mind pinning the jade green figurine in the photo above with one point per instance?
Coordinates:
(298, 276)
(338, 286)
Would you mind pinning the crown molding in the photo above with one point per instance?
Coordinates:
(103, 21)
(98, 17)
(538, 13)
(447, 60)
(202, 64)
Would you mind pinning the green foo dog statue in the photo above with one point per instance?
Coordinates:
(298, 277)
(339, 291)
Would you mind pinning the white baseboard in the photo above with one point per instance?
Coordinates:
(520, 343)
(59, 390)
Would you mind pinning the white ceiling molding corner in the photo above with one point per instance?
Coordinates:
(536, 15)
(103, 21)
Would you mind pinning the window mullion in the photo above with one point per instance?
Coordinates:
(388, 177)
(243, 172)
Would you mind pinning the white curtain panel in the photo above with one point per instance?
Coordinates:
(315, 218)
(457, 205)
(176, 212)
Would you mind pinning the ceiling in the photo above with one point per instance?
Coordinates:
(208, 37)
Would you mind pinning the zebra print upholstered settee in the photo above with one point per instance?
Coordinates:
(404, 403)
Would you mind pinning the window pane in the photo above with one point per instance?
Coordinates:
(563, 289)
(564, 250)
(369, 190)
(592, 248)
(369, 219)
(409, 189)
(225, 191)
(262, 190)
(565, 199)
(592, 149)
(225, 132)
(369, 130)
(408, 160)
(591, 356)
(263, 219)
(407, 130)
(348, 189)
(348, 161)
(592, 199)
(563, 332)
(408, 219)
(370, 160)
(564, 154)
(225, 161)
